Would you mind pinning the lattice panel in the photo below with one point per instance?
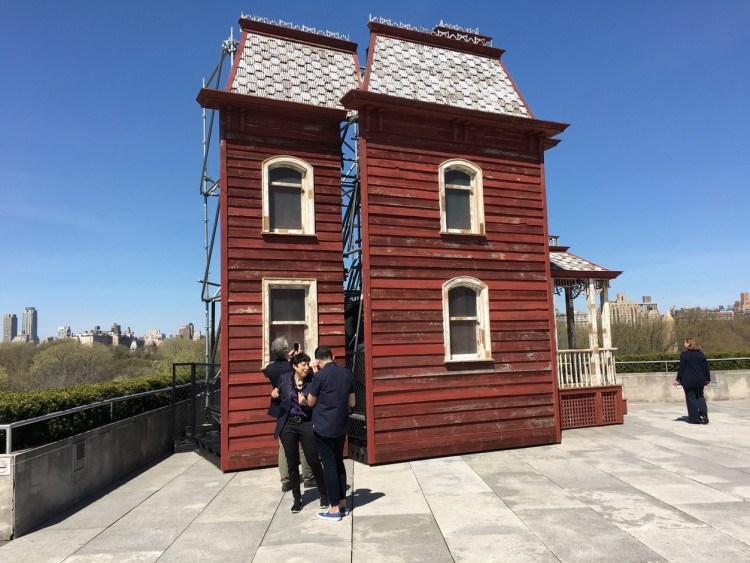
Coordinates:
(609, 408)
(592, 406)
(578, 410)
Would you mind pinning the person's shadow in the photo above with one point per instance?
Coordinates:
(361, 497)
(685, 419)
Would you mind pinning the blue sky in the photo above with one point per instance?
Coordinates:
(100, 144)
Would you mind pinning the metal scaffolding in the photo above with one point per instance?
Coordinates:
(209, 190)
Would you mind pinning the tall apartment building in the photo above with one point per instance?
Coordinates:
(743, 305)
(624, 311)
(30, 324)
(186, 331)
(10, 327)
(64, 332)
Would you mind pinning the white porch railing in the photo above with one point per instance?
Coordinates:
(582, 368)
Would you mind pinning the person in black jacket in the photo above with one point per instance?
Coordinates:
(693, 374)
(275, 372)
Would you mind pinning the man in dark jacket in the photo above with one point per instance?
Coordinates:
(332, 395)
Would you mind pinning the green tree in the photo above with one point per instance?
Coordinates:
(67, 362)
(644, 336)
(16, 358)
(179, 350)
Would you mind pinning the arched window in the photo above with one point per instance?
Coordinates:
(466, 320)
(461, 199)
(288, 196)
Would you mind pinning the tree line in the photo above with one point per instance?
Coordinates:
(64, 363)
(653, 336)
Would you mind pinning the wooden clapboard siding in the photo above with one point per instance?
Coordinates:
(249, 256)
(421, 405)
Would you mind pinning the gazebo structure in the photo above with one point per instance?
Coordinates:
(586, 377)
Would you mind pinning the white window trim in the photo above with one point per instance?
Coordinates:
(307, 198)
(311, 310)
(484, 344)
(476, 201)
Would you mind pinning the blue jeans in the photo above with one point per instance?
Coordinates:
(331, 452)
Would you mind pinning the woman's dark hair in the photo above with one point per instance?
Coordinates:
(299, 358)
(692, 344)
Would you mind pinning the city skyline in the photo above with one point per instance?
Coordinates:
(102, 152)
(612, 298)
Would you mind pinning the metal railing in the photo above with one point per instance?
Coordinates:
(8, 428)
(675, 363)
(583, 368)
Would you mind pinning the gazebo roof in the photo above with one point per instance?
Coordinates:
(564, 264)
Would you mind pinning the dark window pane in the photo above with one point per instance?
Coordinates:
(457, 178)
(285, 175)
(293, 333)
(287, 305)
(463, 337)
(462, 302)
(285, 208)
(458, 209)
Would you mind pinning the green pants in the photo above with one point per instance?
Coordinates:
(307, 474)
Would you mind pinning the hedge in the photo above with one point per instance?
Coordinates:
(17, 406)
(673, 361)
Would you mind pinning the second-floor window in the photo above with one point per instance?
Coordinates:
(461, 198)
(288, 196)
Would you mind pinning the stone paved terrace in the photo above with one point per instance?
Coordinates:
(653, 489)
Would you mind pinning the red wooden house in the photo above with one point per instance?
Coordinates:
(281, 242)
(459, 339)
(457, 291)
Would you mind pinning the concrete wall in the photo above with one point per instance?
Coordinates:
(657, 387)
(46, 480)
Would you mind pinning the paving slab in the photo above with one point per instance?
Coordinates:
(581, 534)
(399, 538)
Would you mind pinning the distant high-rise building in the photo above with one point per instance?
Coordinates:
(64, 332)
(624, 311)
(743, 305)
(10, 327)
(186, 331)
(30, 324)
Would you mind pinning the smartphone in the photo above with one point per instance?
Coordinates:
(296, 347)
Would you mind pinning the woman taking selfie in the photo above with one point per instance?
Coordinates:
(294, 427)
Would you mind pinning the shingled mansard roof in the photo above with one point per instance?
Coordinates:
(288, 65)
(437, 74)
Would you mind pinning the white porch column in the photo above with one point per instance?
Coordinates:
(596, 370)
(570, 318)
(606, 321)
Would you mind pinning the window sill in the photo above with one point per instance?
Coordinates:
(462, 236)
(287, 234)
(467, 360)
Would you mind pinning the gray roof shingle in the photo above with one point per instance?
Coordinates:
(430, 73)
(292, 71)
(571, 262)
